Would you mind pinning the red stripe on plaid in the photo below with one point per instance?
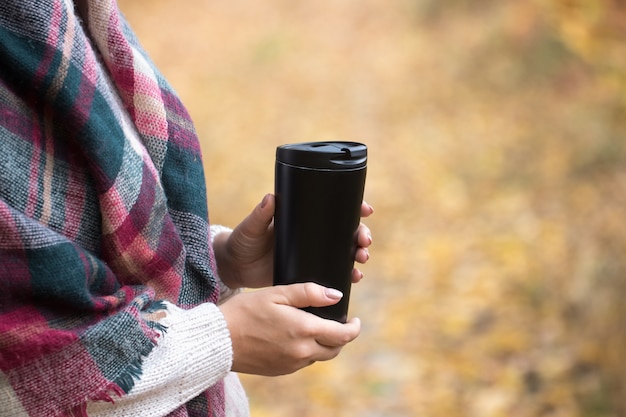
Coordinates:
(26, 336)
(71, 364)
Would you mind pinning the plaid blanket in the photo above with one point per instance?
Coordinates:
(97, 223)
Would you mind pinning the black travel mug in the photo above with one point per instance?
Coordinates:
(319, 190)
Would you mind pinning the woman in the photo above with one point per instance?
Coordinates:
(116, 296)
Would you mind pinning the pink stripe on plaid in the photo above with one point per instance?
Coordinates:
(150, 124)
(57, 15)
(141, 92)
(149, 114)
(120, 59)
(9, 235)
(146, 84)
(140, 213)
(141, 264)
(90, 67)
(113, 210)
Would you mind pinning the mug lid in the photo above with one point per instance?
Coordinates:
(336, 156)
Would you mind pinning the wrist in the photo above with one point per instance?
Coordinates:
(223, 258)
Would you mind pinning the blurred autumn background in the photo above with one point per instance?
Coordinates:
(497, 284)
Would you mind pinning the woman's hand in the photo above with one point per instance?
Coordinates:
(272, 336)
(245, 257)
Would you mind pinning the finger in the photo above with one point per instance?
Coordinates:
(366, 209)
(364, 236)
(327, 353)
(258, 221)
(362, 255)
(308, 294)
(335, 334)
(357, 276)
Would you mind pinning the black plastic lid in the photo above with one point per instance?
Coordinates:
(324, 155)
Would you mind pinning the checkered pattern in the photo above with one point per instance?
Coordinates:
(102, 207)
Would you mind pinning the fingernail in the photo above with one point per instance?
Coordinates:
(333, 293)
(367, 253)
(369, 236)
(371, 208)
(264, 201)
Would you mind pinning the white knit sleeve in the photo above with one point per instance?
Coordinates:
(225, 291)
(194, 353)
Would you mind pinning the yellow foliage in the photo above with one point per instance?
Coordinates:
(497, 171)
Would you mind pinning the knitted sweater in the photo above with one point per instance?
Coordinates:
(108, 283)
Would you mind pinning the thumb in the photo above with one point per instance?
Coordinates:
(258, 221)
(308, 294)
